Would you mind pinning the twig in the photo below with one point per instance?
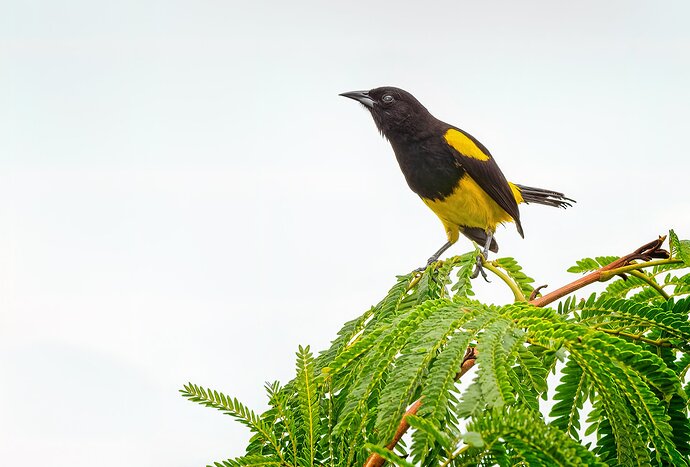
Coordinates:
(536, 292)
(635, 266)
(651, 282)
(374, 459)
(637, 337)
(455, 455)
(645, 252)
(492, 266)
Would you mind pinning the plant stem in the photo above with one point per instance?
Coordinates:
(374, 459)
(414, 282)
(494, 267)
(652, 283)
(633, 267)
(620, 265)
(637, 337)
(454, 455)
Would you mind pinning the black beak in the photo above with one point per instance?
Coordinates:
(360, 96)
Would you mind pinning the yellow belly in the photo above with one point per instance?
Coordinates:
(469, 206)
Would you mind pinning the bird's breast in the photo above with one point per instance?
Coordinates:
(430, 169)
(468, 205)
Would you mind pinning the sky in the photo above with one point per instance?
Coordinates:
(185, 197)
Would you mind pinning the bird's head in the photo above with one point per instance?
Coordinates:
(397, 113)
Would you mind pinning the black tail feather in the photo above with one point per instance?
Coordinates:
(478, 235)
(545, 197)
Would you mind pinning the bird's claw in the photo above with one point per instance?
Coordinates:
(479, 269)
(429, 262)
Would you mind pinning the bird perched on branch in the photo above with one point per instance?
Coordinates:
(453, 173)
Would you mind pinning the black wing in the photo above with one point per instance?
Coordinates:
(479, 164)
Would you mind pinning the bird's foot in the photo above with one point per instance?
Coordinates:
(479, 269)
(429, 262)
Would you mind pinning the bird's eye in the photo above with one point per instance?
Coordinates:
(387, 99)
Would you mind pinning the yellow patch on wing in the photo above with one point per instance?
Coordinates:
(469, 206)
(464, 145)
(516, 193)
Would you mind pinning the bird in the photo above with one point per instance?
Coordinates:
(451, 171)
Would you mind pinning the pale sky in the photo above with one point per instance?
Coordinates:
(185, 197)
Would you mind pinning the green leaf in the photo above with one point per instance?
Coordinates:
(376, 363)
(679, 248)
(533, 369)
(387, 455)
(235, 409)
(309, 402)
(349, 333)
(420, 424)
(592, 264)
(625, 350)
(415, 358)
(521, 434)
(628, 313)
(249, 461)
(493, 364)
(437, 393)
(570, 394)
(465, 263)
(621, 287)
(473, 439)
(514, 270)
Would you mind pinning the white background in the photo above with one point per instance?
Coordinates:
(184, 196)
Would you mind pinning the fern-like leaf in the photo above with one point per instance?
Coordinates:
(283, 418)
(438, 393)
(388, 456)
(628, 313)
(235, 409)
(309, 403)
(520, 433)
(249, 461)
(679, 248)
(621, 287)
(493, 365)
(377, 362)
(416, 356)
(592, 264)
(514, 270)
(570, 394)
(382, 311)
(463, 285)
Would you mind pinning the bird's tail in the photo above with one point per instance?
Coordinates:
(478, 235)
(545, 197)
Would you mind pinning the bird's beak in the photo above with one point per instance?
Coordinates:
(360, 96)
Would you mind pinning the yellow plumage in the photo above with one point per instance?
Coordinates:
(464, 145)
(469, 205)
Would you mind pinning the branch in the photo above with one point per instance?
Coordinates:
(374, 459)
(635, 266)
(652, 283)
(637, 337)
(492, 266)
(646, 253)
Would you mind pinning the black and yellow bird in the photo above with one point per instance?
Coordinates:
(453, 173)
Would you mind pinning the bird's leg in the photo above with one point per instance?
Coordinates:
(485, 254)
(435, 256)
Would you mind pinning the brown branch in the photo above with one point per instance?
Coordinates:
(536, 292)
(646, 252)
(374, 459)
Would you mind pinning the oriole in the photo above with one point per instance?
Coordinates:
(453, 173)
